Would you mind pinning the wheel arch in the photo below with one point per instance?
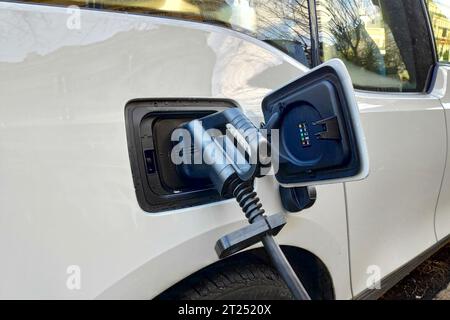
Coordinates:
(311, 270)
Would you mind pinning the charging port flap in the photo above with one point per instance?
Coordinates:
(320, 135)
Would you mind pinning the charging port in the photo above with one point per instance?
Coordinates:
(159, 186)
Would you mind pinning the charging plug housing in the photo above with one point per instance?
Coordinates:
(222, 147)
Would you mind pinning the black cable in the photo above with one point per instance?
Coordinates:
(249, 202)
(284, 268)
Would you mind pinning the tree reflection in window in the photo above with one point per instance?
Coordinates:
(356, 32)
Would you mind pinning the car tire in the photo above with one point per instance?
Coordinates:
(235, 281)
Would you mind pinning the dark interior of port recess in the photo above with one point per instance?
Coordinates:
(149, 124)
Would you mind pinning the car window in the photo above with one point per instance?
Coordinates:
(439, 11)
(284, 24)
(385, 44)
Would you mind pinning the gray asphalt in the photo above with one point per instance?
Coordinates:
(431, 280)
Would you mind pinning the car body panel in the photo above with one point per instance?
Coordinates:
(67, 195)
(66, 189)
(391, 213)
(442, 218)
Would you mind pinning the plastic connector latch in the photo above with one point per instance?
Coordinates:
(249, 235)
(331, 127)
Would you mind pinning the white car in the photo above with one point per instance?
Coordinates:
(90, 207)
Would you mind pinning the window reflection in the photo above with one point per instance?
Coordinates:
(356, 32)
(284, 24)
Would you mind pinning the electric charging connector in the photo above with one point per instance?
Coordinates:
(228, 145)
(321, 141)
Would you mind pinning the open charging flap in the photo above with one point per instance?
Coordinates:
(319, 134)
